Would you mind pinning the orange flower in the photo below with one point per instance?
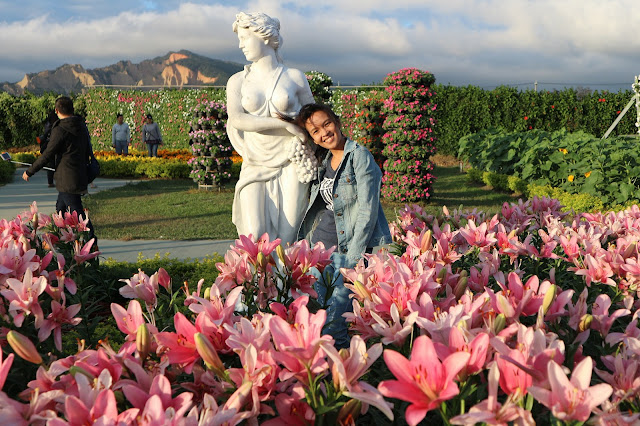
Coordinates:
(587, 174)
(564, 151)
(570, 178)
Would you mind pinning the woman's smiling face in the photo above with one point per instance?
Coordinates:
(324, 131)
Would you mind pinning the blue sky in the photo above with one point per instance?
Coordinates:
(486, 43)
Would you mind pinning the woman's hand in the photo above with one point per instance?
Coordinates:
(296, 131)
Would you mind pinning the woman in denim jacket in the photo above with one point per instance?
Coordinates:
(344, 209)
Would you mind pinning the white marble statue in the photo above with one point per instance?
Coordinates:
(269, 196)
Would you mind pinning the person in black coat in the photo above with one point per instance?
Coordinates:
(44, 141)
(70, 147)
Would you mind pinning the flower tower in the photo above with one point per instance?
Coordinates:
(409, 138)
(211, 148)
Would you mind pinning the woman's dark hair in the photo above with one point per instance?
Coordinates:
(305, 114)
(307, 111)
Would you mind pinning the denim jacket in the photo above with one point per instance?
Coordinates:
(360, 220)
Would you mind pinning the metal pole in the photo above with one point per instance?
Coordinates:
(624, 111)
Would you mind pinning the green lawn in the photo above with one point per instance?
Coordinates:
(177, 210)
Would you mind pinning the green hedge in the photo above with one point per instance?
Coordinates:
(574, 162)
(460, 111)
(7, 171)
(575, 202)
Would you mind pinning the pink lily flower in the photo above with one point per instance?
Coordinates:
(103, 410)
(348, 366)
(181, 346)
(83, 254)
(423, 381)
(394, 331)
(140, 286)
(292, 410)
(245, 244)
(458, 342)
(478, 235)
(602, 321)
(572, 399)
(160, 388)
(5, 366)
(299, 344)
(23, 298)
(298, 259)
(234, 271)
(129, 320)
(491, 412)
(595, 270)
(60, 315)
(212, 414)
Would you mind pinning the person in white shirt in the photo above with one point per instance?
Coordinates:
(121, 136)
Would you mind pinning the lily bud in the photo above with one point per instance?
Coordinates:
(629, 250)
(499, 323)
(280, 252)
(361, 290)
(549, 298)
(207, 293)
(441, 275)
(461, 286)
(209, 355)
(23, 347)
(74, 369)
(35, 220)
(143, 341)
(349, 412)
(261, 262)
(585, 322)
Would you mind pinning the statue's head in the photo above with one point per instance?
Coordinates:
(263, 26)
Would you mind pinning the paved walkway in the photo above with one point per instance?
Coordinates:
(17, 196)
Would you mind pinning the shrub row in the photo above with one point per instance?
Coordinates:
(460, 111)
(574, 162)
(7, 170)
(170, 164)
(575, 202)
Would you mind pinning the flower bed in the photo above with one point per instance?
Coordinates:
(469, 319)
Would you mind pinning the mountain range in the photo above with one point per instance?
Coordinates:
(175, 69)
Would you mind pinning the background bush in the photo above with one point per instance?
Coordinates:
(7, 170)
(460, 111)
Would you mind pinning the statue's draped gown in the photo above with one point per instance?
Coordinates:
(265, 161)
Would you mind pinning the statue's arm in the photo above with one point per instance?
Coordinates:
(239, 119)
(304, 92)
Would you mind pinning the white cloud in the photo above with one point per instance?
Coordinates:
(461, 41)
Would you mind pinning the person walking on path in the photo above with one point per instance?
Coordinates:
(69, 145)
(121, 136)
(43, 140)
(151, 136)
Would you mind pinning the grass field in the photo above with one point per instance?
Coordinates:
(177, 210)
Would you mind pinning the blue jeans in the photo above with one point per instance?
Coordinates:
(337, 302)
(153, 149)
(122, 147)
(73, 203)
